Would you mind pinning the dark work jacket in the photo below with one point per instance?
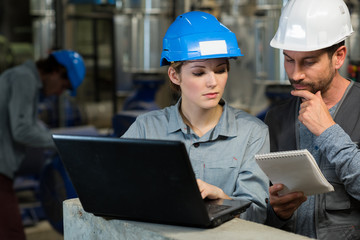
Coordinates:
(337, 214)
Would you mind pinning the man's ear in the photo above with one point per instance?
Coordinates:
(339, 57)
(174, 76)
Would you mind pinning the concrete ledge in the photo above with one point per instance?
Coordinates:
(80, 225)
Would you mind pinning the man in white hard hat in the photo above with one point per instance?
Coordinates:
(323, 116)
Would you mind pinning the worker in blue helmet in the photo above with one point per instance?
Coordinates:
(74, 65)
(221, 141)
(20, 90)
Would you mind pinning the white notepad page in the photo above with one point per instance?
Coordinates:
(296, 169)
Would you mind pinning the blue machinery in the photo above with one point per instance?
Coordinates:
(55, 187)
(140, 101)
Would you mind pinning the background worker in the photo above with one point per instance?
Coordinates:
(323, 116)
(221, 141)
(20, 90)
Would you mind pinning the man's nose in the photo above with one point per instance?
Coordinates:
(298, 73)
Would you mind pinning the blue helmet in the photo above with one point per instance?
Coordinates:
(74, 65)
(198, 35)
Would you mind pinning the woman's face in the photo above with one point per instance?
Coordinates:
(202, 82)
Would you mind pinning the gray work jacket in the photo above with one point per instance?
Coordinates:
(19, 128)
(337, 214)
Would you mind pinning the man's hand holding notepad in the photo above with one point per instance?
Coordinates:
(297, 170)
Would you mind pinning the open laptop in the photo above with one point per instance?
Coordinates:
(137, 179)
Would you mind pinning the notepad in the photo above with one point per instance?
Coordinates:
(296, 169)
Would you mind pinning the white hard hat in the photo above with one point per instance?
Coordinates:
(307, 25)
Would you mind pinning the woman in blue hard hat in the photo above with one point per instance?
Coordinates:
(221, 141)
(20, 88)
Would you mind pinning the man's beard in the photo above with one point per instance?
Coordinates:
(321, 84)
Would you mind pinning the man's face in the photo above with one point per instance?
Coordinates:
(312, 71)
(55, 84)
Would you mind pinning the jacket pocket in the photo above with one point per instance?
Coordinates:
(337, 200)
(340, 233)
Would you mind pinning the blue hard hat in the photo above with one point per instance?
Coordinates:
(74, 65)
(198, 35)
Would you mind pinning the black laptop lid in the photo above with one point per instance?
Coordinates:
(149, 180)
(137, 179)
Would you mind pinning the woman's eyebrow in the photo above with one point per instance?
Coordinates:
(198, 66)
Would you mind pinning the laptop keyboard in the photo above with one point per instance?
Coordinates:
(213, 208)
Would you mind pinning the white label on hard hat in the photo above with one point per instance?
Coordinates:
(213, 47)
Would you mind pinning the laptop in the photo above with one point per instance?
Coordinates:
(142, 180)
